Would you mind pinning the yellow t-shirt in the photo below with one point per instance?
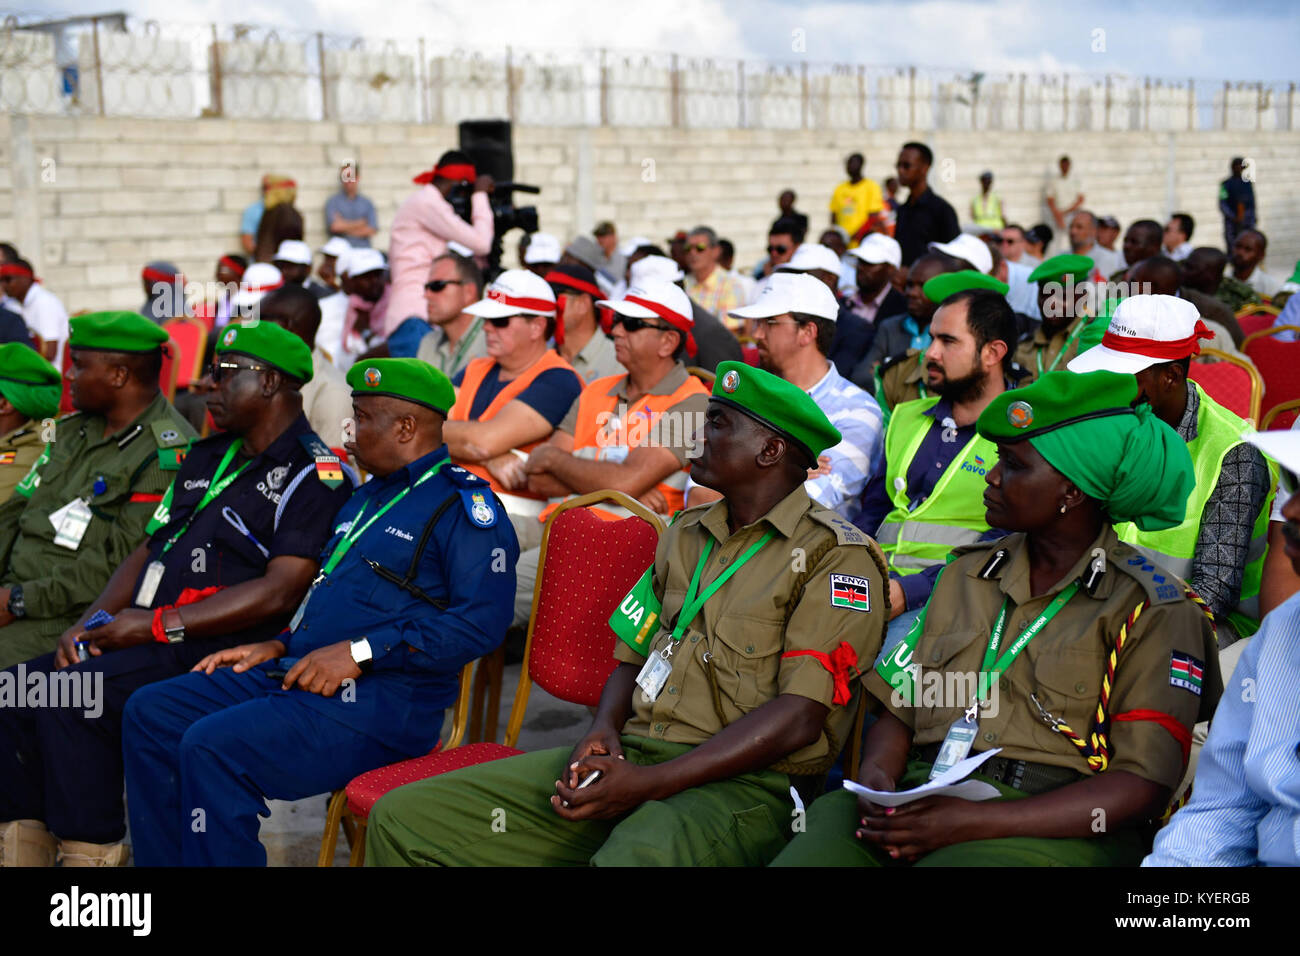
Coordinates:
(852, 203)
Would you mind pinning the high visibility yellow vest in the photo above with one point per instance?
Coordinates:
(1218, 431)
(988, 211)
(914, 539)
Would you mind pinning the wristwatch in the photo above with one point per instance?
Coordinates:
(361, 653)
(16, 605)
(173, 628)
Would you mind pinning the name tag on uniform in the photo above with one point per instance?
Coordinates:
(70, 524)
(654, 674)
(153, 575)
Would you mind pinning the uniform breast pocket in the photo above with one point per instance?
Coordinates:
(746, 656)
(1067, 684)
(949, 675)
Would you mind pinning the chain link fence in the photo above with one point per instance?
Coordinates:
(119, 65)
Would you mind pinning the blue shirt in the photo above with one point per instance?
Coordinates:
(550, 395)
(251, 218)
(418, 647)
(404, 341)
(1245, 805)
(860, 451)
(359, 208)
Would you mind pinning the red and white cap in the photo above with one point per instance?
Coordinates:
(1144, 331)
(259, 279)
(791, 292)
(657, 299)
(515, 292)
(811, 256)
(971, 248)
(876, 248)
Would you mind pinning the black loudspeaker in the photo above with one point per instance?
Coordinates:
(488, 144)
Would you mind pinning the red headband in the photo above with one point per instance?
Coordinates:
(450, 171)
(279, 184)
(521, 302)
(232, 265)
(1167, 351)
(157, 275)
(676, 320)
(261, 288)
(14, 269)
(556, 277)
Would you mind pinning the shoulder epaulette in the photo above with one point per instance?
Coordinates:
(167, 435)
(892, 360)
(329, 468)
(462, 476)
(845, 531)
(1161, 586)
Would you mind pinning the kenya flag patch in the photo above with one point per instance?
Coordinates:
(850, 592)
(1186, 671)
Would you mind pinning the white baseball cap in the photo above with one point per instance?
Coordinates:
(810, 256)
(542, 247)
(968, 247)
(656, 268)
(515, 292)
(1282, 446)
(259, 279)
(460, 250)
(1144, 331)
(360, 261)
(293, 250)
(336, 247)
(877, 248)
(791, 292)
(657, 299)
(632, 245)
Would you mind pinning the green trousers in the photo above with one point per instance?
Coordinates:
(833, 818)
(28, 638)
(500, 814)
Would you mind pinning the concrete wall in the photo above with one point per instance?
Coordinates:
(90, 200)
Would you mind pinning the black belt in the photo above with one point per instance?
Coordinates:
(1023, 775)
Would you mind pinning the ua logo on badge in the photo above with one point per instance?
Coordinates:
(229, 336)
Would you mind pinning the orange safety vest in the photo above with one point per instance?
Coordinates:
(599, 426)
(475, 372)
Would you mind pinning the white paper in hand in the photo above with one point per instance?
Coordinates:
(948, 784)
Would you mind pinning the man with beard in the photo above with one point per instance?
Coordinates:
(931, 494)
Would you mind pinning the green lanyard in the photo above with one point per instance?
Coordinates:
(216, 486)
(466, 341)
(349, 539)
(691, 606)
(991, 670)
(1064, 348)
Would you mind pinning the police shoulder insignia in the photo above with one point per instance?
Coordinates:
(1161, 586)
(480, 505)
(329, 469)
(167, 435)
(845, 532)
(1186, 671)
(169, 459)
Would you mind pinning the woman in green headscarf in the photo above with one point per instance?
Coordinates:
(30, 388)
(1082, 663)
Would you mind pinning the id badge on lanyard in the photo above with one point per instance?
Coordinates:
(957, 742)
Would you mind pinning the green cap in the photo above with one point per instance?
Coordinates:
(119, 331)
(776, 403)
(1084, 426)
(410, 379)
(949, 283)
(273, 344)
(1058, 267)
(31, 384)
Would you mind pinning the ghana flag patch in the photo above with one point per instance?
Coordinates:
(1186, 671)
(851, 592)
(329, 470)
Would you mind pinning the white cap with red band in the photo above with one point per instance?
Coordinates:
(656, 269)
(791, 292)
(1145, 330)
(515, 292)
(259, 279)
(657, 298)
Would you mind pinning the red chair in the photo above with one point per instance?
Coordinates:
(1278, 364)
(190, 337)
(586, 566)
(169, 370)
(1230, 381)
(1254, 320)
(1281, 417)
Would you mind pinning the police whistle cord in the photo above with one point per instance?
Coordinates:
(1096, 750)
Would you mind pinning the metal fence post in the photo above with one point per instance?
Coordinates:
(1065, 103)
(1192, 121)
(423, 73)
(740, 93)
(1146, 105)
(1225, 104)
(1290, 106)
(324, 82)
(1020, 119)
(862, 96)
(1106, 123)
(675, 92)
(510, 84)
(803, 96)
(1259, 106)
(99, 65)
(911, 97)
(604, 90)
(215, 78)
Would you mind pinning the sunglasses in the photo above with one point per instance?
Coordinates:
(219, 370)
(777, 250)
(697, 247)
(501, 321)
(437, 285)
(1007, 242)
(634, 324)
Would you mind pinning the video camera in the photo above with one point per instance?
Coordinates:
(505, 214)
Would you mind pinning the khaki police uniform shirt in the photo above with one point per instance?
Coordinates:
(136, 471)
(901, 381)
(18, 452)
(1027, 351)
(779, 601)
(1064, 663)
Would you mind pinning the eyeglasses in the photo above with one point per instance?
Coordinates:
(218, 370)
(501, 321)
(697, 247)
(1007, 242)
(777, 250)
(634, 323)
(437, 285)
(772, 323)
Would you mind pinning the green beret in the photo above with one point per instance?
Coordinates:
(119, 331)
(31, 384)
(1058, 267)
(410, 379)
(1054, 400)
(273, 344)
(776, 403)
(948, 283)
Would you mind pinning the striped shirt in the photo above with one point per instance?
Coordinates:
(860, 453)
(1245, 805)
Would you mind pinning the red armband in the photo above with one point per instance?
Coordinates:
(841, 662)
(187, 596)
(1175, 727)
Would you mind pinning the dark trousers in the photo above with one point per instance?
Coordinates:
(63, 764)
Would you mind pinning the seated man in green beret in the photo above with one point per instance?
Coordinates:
(767, 604)
(30, 389)
(83, 506)
(1066, 303)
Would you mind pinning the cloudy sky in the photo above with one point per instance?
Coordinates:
(1205, 39)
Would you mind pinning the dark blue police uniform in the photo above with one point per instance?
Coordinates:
(60, 766)
(429, 583)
